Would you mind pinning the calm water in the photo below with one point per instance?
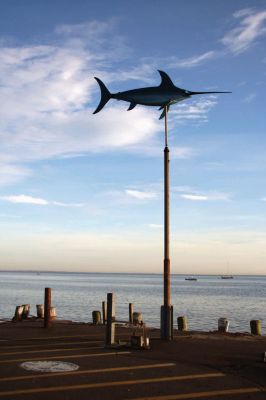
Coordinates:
(76, 295)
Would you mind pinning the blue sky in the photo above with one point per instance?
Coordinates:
(83, 192)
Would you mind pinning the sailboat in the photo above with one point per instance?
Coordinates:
(190, 278)
(227, 276)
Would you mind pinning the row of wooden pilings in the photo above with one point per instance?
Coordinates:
(108, 310)
(23, 312)
(46, 311)
(182, 322)
(99, 318)
(223, 325)
(108, 317)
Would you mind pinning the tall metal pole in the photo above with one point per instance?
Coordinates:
(166, 217)
(166, 310)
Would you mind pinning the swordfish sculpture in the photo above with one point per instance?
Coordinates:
(161, 96)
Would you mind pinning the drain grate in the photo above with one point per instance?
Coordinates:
(49, 366)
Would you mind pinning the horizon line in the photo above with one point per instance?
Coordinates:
(120, 273)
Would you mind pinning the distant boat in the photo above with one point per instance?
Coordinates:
(191, 278)
(227, 276)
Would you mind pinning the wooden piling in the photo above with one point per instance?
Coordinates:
(53, 313)
(223, 325)
(137, 318)
(110, 327)
(182, 324)
(104, 311)
(26, 311)
(96, 317)
(255, 327)
(18, 313)
(40, 310)
(47, 308)
(130, 312)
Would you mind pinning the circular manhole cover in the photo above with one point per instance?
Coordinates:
(49, 366)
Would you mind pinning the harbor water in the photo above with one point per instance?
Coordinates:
(76, 295)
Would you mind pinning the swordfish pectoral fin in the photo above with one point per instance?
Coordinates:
(163, 113)
(131, 106)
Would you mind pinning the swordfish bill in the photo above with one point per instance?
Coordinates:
(161, 96)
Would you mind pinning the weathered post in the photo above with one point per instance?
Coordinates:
(18, 313)
(47, 308)
(110, 327)
(137, 318)
(223, 324)
(130, 312)
(255, 327)
(182, 324)
(104, 311)
(96, 317)
(40, 310)
(26, 311)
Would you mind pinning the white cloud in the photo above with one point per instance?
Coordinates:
(141, 72)
(155, 226)
(251, 27)
(192, 61)
(249, 98)
(194, 195)
(24, 199)
(196, 110)
(135, 194)
(141, 195)
(99, 36)
(60, 204)
(10, 174)
(48, 94)
(155, 191)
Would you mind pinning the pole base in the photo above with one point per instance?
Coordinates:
(167, 328)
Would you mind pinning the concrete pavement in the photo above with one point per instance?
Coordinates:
(193, 366)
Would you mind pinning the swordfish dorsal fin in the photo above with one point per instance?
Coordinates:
(166, 80)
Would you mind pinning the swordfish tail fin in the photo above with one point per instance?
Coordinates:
(105, 96)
